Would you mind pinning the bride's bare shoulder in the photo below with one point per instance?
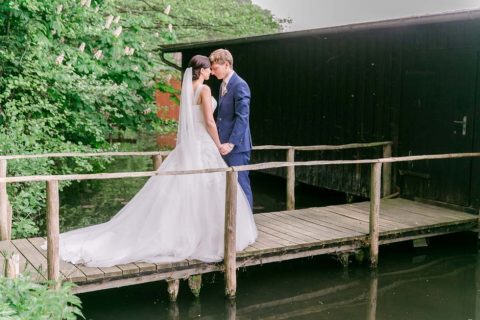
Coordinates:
(206, 89)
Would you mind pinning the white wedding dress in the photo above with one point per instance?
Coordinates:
(172, 217)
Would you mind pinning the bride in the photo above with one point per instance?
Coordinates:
(172, 217)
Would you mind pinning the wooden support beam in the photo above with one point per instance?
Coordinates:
(291, 180)
(375, 187)
(5, 231)
(387, 171)
(53, 233)
(372, 297)
(230, 254)
(195, 284)
(173, 286)
(230, 309)
(157, 161)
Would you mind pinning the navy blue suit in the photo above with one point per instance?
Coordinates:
(233, 114)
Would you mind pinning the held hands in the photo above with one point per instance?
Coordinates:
(226, 148)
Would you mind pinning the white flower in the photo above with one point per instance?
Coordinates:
(98, 55)
(83, 2)
(157, 34)
(82, 47)
(88, 3)
(60, 58)
(170, 27)
(96, 9)
(147, 111)
(167, 10)
(59, 8)
(117, 19)
(129, 51)
(117, 31)
(108, 22)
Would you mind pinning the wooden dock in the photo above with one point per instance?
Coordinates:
(282, 235)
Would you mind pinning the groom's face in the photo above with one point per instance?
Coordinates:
(221, 70)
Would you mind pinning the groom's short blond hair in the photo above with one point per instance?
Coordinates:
(221, 56)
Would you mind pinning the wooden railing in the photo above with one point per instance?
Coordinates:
(377, 166)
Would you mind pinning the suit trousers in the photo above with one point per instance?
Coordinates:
(240, 159)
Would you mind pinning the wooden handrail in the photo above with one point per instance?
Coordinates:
(230, 204)
(85, 155)
(251, 167)
(166, 153)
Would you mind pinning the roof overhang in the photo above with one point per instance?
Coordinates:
(392, 23)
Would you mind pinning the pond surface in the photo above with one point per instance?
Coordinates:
(440, 281)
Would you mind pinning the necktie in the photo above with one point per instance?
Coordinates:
(223, 88)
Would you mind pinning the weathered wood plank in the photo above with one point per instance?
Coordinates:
(362, 215)
(282, 236)
(286, 230)
(146, 267)
(300, 219)
(426, 209)
(336, 220)
(332, 221)
(92, 273)
(25, 266)
(384, 220)
(35, 258)
(290, 223)
(129, 269)
(69, 271)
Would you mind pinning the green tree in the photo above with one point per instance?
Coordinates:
(69, 77)
(74, 72)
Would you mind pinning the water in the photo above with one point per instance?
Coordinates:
(438, 282)
(441, 281)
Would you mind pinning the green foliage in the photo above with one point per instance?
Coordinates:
(55, 97)
(21, 299)
(200, 19)
(75, 72)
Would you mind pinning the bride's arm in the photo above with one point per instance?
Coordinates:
(206, 105)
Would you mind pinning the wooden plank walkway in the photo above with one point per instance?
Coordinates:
(282, 235)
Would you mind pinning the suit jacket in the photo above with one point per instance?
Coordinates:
(233, 113)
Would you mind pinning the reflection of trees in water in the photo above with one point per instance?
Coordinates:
(95, 201)
(344, 301)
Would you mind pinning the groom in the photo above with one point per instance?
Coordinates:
(233, 116)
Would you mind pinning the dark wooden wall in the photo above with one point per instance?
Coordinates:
(403, 84)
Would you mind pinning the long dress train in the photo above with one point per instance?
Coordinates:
(172, 217)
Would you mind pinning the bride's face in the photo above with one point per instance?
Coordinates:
(206, 73)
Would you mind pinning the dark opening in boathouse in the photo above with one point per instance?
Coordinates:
(413, 81)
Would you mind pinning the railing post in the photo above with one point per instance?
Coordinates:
(5, 230)
(387, 170)
(157, 161)
(375, 187)
(291, 180)
(11, 265)
(53, 232)
(230, 254)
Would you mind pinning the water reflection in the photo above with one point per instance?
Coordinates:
(438, 282)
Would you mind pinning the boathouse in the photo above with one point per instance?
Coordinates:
(412, 81)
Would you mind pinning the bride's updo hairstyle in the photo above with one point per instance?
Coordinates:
(197, 63)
